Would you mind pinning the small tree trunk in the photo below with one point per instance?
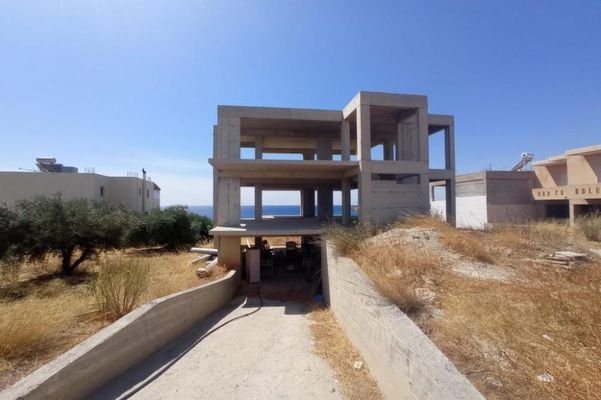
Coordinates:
(84, 255)
(66, 269)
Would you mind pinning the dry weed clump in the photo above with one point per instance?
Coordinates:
(397, 271)
(532, 237)
(468, 243)
(349, 239)
(462, 241)
(332, 344)
(590, 225)
(119, 286)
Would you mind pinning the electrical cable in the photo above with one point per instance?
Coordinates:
(166, 367)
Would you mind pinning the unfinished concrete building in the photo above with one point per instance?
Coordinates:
(570, 184)
(377, 144)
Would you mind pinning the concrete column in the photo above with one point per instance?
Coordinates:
(449, 144)
(365, 195)
(346, 201)
(388, 150)
(363, 133)
(258, 202)
(324, 147)
(573, 212)
(423, 140)
(308, 202)
(345, 140)
(450, 201)
(407, 142)
(230, 253)
(258, 147)
(228, 212)
(229, 138)
(308, 155)
(325, 202)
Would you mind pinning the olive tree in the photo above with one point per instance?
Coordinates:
(74, 229)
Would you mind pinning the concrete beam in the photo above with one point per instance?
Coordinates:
(279, 113)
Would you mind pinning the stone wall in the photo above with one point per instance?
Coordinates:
(402, 359)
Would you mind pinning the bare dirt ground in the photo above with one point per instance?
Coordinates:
(266, 355)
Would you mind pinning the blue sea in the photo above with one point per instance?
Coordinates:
(249, 211)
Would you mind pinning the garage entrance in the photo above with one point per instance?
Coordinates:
(282, 255)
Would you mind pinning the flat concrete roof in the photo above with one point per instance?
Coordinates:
(272, 226)
(585, 150)
(555, 160)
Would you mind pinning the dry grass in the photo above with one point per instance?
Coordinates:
(397, 272)
(119, 286)
(590, 225)
(465, 242)
(42, 315)
(502, 335)
(332, 344)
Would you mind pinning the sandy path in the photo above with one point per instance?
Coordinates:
(267, 355)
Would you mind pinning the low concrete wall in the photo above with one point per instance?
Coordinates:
(124, 343)
(402, 359)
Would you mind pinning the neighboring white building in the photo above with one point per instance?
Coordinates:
(493, 197)
(130, 191)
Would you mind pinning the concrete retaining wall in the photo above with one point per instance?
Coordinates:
(403, 360)
(124, 343)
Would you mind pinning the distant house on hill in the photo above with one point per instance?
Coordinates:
(52, 178)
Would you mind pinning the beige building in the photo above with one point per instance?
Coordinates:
(132, 192)
(570, 184)
(378, 145)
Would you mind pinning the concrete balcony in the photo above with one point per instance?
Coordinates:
(569, 192)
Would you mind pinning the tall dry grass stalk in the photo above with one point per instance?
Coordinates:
(120, 285)
(349, 239)
(590, 225)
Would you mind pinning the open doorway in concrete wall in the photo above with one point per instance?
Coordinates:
(437, 151)
(445, 205)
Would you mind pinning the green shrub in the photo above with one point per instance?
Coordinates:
(120, 285)
(590, 225)
(172, 227)
(9, 230)
(201, 225)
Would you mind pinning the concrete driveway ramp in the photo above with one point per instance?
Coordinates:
(265, 355)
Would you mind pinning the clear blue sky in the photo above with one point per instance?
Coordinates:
(121, 85)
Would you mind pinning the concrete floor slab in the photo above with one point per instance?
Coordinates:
(266, 355)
